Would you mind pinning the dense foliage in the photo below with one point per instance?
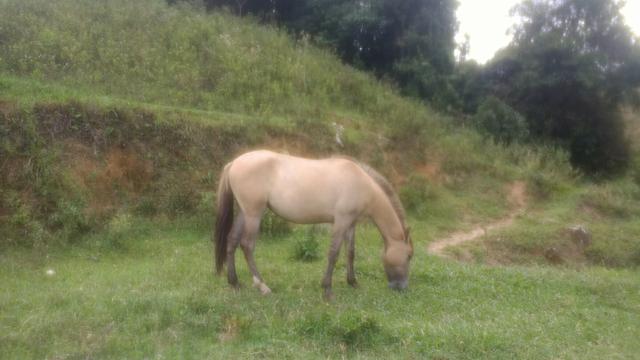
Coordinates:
(571, 67)
(501, 121)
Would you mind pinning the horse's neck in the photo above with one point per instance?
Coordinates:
(386, 219)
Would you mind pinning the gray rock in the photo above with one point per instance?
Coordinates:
(580, 236)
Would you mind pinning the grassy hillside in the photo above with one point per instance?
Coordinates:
(146, 52)
(115, 120)
(113, 84)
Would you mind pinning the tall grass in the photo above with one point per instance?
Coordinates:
(182, 56)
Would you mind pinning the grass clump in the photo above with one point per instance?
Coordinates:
(306, 247)
(354, 330)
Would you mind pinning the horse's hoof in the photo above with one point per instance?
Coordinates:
(353, 283)
(328, 296)
(264, 289)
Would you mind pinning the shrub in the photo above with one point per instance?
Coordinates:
(146, 207)
(501, 121)
(307, 247)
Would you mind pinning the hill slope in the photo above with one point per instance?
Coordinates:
(142, 103)
(127, 86)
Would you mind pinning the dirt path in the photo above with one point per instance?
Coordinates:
(517, 198)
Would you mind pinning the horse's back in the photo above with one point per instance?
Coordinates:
(299, 189)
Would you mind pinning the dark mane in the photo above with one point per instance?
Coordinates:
(385, 185)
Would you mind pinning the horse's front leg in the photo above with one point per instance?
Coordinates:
(350, 247)
(339, 231)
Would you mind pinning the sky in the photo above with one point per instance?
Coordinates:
(487, 23)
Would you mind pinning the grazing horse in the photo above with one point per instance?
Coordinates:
(305, 191)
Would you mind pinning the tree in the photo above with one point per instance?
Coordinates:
(571, 66)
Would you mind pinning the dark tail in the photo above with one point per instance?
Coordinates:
(224, 219)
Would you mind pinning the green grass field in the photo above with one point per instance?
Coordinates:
(149, 292)
(115, 120)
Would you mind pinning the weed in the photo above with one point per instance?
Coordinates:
(146, 207)
(306, 248)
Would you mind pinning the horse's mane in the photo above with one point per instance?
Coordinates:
(386, 187)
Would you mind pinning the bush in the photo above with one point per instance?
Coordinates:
(70, 217)
(501, 121)
(307, 247)
(146, 207)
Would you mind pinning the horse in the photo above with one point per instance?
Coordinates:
(335, 190)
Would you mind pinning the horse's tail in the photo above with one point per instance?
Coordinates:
(224, 219)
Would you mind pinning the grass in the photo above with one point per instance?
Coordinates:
(185, 91)
(148, 52)
(155, 296)
(608, 211)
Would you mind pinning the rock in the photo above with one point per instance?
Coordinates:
(339, 131)
(580, 236)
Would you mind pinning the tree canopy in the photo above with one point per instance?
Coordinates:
(571, 66)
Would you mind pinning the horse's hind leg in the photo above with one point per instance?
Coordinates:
(248, 244)
(350, 246)
(234, 240)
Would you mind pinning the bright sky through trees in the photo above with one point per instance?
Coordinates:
(488, 22)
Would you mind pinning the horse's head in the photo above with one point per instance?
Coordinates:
(396, 262)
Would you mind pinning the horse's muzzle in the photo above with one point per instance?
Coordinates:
(398, 285)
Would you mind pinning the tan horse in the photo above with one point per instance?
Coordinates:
(305, 191)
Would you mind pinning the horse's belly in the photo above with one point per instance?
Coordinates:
(302, 212)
